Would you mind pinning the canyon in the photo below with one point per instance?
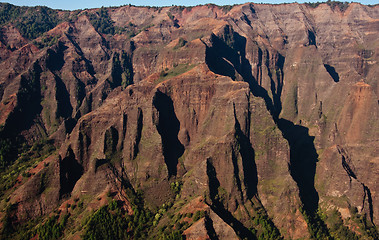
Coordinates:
(251, 121)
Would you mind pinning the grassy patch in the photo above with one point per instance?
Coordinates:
(175, 71)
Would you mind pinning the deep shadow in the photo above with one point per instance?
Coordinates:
(168, 127)
(217, 64)
(55, 58)
(370, 205)
(28, 103)
(64, 108)
(138, 133)
(218, 207)
(70, 172)
(250, 174)
(311, 38)
(210, 229)
(303, 159)
(332, 72)
(69, 125)
(110, 142)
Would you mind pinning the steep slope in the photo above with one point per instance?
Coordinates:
(247, 122)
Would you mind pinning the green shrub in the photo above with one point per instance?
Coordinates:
(102, 22)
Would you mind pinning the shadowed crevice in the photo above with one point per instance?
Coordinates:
(64, 108)
(303, 159)
(70, 173)
(138, 133)
(246, 150)
(168, 127)
(332, 72)
(210, 229)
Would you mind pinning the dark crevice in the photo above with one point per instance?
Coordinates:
(64, 108)
(332, 72)
(346, 162)
(303, 159)
(122, 70)
(276, 86)
(69, 125)
(138, 133)
(55, 57)
(110, 142)
(168, 127)
(209, 227)
(84, 143)
(218, 207)
(236, 174)
(70, 172)
(248, 160)
(124, 127)
(311, 38)
(218, 64)
(369, 200)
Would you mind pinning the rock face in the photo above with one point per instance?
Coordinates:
(264, 111)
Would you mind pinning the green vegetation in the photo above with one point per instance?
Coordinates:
(337, 228)
(32, 22)
(316, 225)
(198, 215)
(102, 22)
(366, 228)
(333, 4)
(176, 187)
(181, 43)
(28, 157)
(46, 41)
(111, 222)
(13, 231)
(6, 152)
(37, 21)
(264, 227)
(9, 12)
(169, 14)
(52, 228)
(175, 71)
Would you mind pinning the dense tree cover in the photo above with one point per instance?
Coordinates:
(264, 228)
(102, 22)
(316, 226)
(269, 230)
(52, 228)
(110, 222)
(6, 152)
(37, 21)
(32, 22)
(9, 12)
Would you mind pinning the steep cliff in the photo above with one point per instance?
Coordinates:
(248, 122)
